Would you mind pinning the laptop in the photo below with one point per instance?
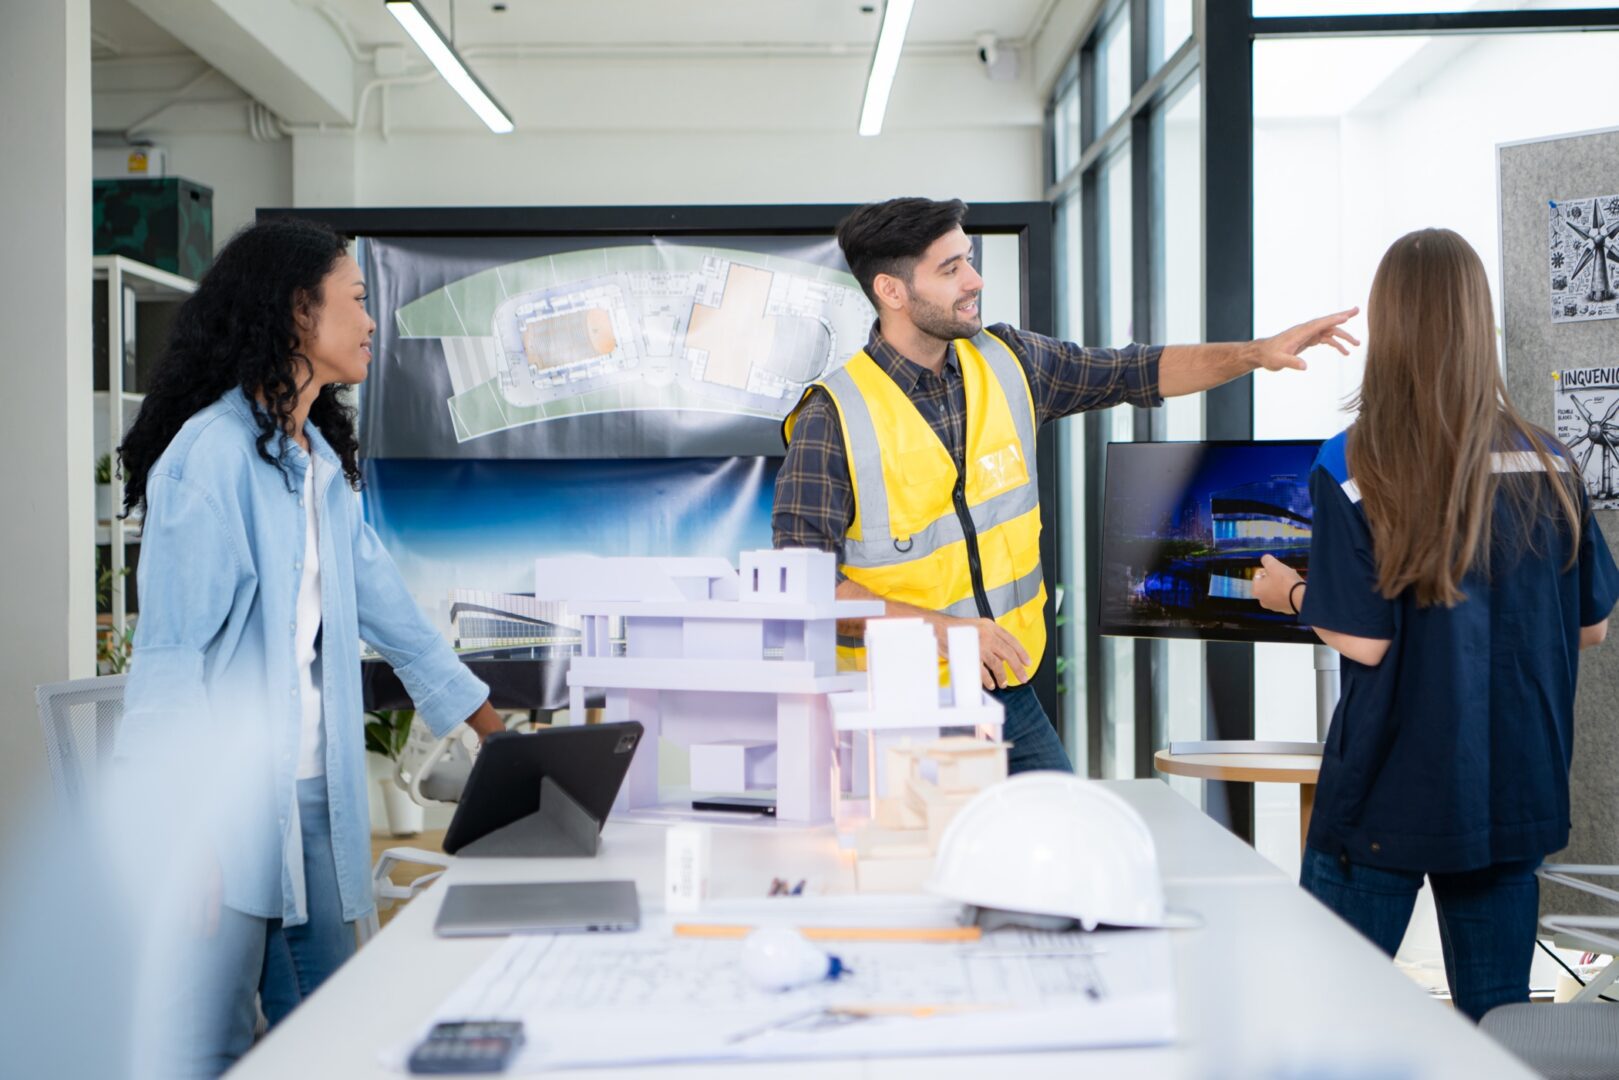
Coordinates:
(547, 907)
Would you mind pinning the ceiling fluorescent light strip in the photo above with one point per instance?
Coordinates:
(884, 63)
(431, 40)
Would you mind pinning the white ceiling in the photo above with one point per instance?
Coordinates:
(117, 29)
(121, 30)
(685, 22)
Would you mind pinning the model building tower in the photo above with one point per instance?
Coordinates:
(913, 778)
(736, 666)
(904, 704)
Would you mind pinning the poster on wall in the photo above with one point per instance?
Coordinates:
(1587, 404)
(602, 347)
(1582, 258)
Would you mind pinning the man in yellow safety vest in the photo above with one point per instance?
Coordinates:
(915, 461)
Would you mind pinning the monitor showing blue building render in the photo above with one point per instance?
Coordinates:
(1183, 529)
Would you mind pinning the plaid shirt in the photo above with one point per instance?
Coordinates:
(814, 504)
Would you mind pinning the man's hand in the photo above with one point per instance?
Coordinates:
(1282, 351)
(997, 649)
(1273, 585)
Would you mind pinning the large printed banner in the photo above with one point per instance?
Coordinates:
(517, 347)
(611, 396)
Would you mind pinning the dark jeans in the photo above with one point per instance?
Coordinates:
(1034, 741)
(1486, 920)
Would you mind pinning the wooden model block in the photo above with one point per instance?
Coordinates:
(893, 875)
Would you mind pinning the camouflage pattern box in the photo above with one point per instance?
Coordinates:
(165, 223)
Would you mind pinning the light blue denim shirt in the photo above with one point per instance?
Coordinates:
(214, 662)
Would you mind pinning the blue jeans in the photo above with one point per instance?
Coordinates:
(1486, 920)
(282, 965)
(1034, 741)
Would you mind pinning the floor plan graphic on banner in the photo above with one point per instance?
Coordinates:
(1582, 258)
(648, 327)
(1588, 424)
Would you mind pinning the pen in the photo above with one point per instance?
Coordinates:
(838, 1014)
(840, 933)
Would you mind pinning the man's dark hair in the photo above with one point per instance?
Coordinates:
(889, 237)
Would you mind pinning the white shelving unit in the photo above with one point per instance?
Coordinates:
(116, 406)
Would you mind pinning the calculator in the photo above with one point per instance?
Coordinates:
(468, 1046)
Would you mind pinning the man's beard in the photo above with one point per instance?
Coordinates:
(941, 322)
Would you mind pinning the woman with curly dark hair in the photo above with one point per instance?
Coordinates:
(258, 579)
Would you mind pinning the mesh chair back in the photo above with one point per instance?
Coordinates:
(1560, 1042)
(81, 721)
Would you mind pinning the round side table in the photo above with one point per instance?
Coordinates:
(1300, 769)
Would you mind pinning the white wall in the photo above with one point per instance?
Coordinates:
(678, 168)
(47, 589)
(205, 133)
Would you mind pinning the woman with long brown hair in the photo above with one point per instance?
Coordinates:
(1455, 564)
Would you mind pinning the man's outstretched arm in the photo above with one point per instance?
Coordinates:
(1187, 369)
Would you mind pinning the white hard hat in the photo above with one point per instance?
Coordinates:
(1051, 844)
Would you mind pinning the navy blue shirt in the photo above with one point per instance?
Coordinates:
(1452, 754)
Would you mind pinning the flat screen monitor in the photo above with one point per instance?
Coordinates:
(1183, 527)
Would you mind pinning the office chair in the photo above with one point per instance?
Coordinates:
(1579, 1039)
(432, 771)
(80, 718)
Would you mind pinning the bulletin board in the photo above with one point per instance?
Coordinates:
(1559, 204)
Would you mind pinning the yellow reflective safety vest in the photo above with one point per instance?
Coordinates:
(922, 533)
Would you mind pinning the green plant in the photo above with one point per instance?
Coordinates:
(104, 469)
(388, 732)
(104, 580)
(113, 651)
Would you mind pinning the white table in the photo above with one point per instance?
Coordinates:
(1271, 983)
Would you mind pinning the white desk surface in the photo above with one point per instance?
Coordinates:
(1272, 984)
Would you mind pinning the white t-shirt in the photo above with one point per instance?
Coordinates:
(306, 638)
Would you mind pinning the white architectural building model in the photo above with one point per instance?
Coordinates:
(736, 666)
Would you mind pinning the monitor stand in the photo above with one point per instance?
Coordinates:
(559, 829)
(1326, 702)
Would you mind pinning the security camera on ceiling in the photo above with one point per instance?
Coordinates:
(1000, 58)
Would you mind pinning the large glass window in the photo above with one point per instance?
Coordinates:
(1113, 70)
(1070, 270)
(1119, 658)
(1178, 220)
(1115, 245)
(1116, 251)
(1065, 128)
(1286, 8)
(1355, 144)
(1072, 595)
(1178, 318)
(1169, 24)
(1105, 214)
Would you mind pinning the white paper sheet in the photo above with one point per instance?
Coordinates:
(651, 997)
